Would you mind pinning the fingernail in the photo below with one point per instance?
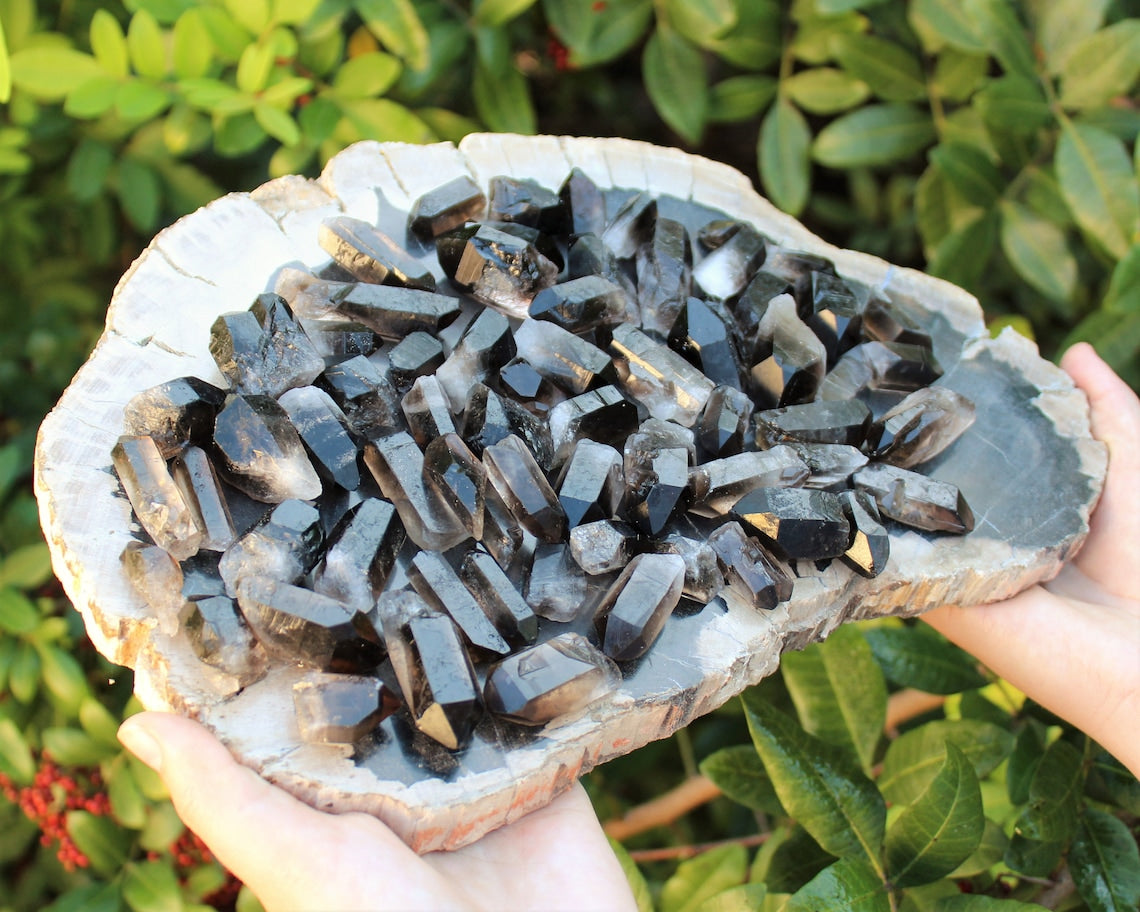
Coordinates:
(141, 743)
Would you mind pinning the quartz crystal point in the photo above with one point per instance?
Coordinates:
(726, 271)
(657, 482)
(156, 499)
(569, 361)
(194, 475)
(200, 577)
(788, 358)
(718, 232)
(870, 545)
(602, 546)
(485, 346)
(883, 321)
(749, 308)
(790, 264)
(157, 578)
(703, 577)
(921, 426)
(704, 337)
(796, 522)
(175, 413)
(337, 340)
(846, 422)
(324, 431)
(308, 295)
(265, 352)
(589, 255)
(503, 269)
(603, 415)
(553, 680)
(397, 464)
(874, 366)
(370, 255)
(591, 487)
(498, 597)
(521, 382)
(664, 275)
(439, 585)
(749, 571)
(724, 423)
(340, 709)
(364, 395)
(525, 202)
(490, 418)
(638, 603)
(432, 667)
(829, 465)
(220, 637)
(503, 537)
(458, 478)
(427, 410)
(583, 203)
(446, 207)
(361, 551)
(581, 304)
(451, 247)
(284, 545)
(261, 453)
(418, 354)
(631, 226)
(655, 375)
(915, 500)
(557, 587)
(519, 481)
(301, 626)
(717, 485)
(395, 312)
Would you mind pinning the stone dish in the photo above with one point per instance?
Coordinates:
(1028, 466)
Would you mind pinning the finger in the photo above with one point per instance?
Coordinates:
(270, 840)
(1115, 418)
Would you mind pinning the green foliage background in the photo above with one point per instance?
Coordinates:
(988, 141)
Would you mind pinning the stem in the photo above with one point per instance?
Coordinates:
(670, 853)
(662, 811)
(688, 755)
(904, 705)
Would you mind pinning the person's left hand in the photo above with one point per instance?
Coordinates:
(294, 857)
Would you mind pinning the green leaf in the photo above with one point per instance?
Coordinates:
(817, 784)
(1104, 65)
(1105, 863)
(1033, 857)
(980, 903)
(675, 79)
(277, 123)
(24, 675)
(597, 35)
(996, 23)
(146, 45)
(849, 885)
(892, 72)
(98, 722)
(229, 38)
(18, 615)
(1123, 295)
(788, 860)
(642, 898)
(397, 25)
(1038, 251)
(813, 40)
(238, 135)
(739, 773)
(285, 92)
(963, 255)
(782, 157)
(949, 21)
(740, 98)
(494, 13)
(72, 747)
(293, 12)
(699, 879)
(367, 75)
(1062, 25)
(252, 15)
(247, 902)
(939, 830)
(214, 96)
(254, 67)
(1115, 337)
(139, 100)
(970, 171)
(16, 760)
(744, 898)
(152, 886)
(63, 676)
(139, 193)
(826, 90)
(989, 852)
(958, 74)
(102, 840)
(1024, 760)
(5, 68)
(383, 120)
(96, 897)
(914, 758)
(49, 72)
(1098, 183)
(919, 658)
(874, 135)
(839, 692)
(701, 21)
(756, 41)
(938, 208)
(1053, 795)
(1110, 780)
(127, 803)
(109, 44)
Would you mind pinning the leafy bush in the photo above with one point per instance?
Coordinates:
(988, 141)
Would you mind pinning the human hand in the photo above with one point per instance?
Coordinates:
(1073, 644)
(296, 858)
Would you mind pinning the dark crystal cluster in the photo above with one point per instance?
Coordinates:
(442, 509)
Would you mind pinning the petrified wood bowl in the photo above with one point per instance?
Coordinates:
(1028, 467)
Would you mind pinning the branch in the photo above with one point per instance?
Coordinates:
(904, 705)
(662, 811)
(688, 851)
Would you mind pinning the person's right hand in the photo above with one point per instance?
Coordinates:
(1073, 644)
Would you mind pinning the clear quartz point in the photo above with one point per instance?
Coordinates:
(602, 546)
(664, 275)
(584, 205)
(524, 201)
(458, 478)
(175, 413)
(921, 426)
(703, 577)
(156, 499)
(916, 500)
(631, 226)
(284, 545)
(552, 680)
(725, 421)
(485, 346)
(789, 360)
(704, 336)
(195, 477)
(264, 350)
(870, 546)
(603, 415)
(846, 422)
(829, 465)
(427, 410)
(364, 394)
(581, 304)
(638, 603)
(418, 354)
(325, 432)
(730, 266)
(556, 587)
(655, 375)
(717, 485)
(749, 571)
(340, 709)
(157, 578)
(394, 312)
(591, 484)
(220, 637)
(503, 269)
(520, 482)
(370, 255)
